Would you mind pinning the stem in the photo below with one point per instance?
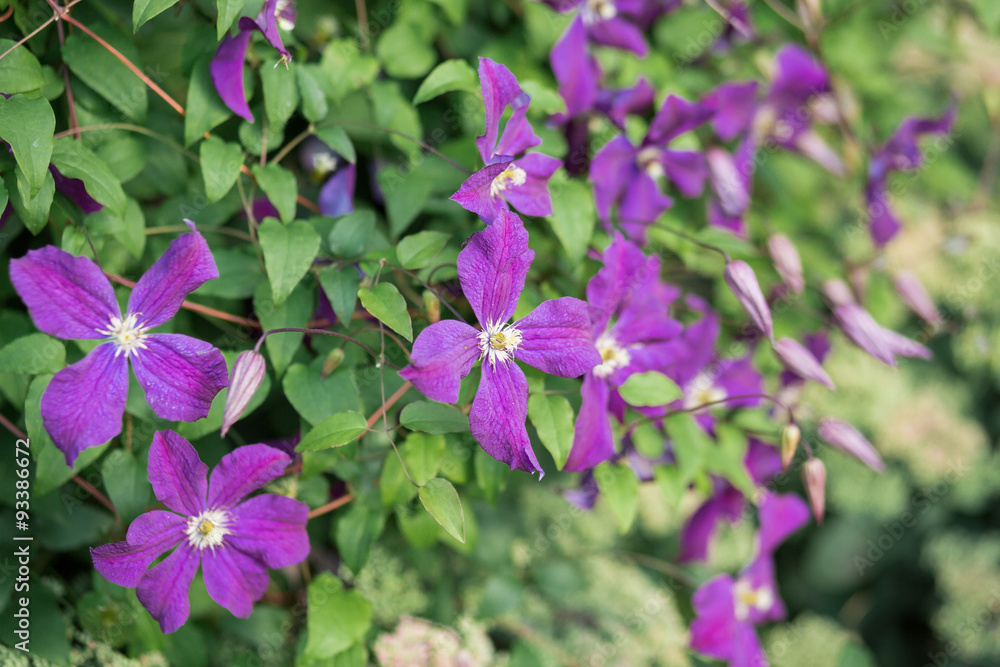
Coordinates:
(287, 148)
(330, 506)
(661, 566)
(18, 433)
(389, 130)
(319, 331)
(386, 404)
(728, 17)
(434, 292)
(687, 237)
(196, 307)
(37, 30)
(785, 13)
(362, 12)
(390, 335)
(100, 497)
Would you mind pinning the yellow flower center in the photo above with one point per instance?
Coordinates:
(613, 356)
(498, 342)
(511, 176)
(127, 335)
(746, 597)
(208, 529)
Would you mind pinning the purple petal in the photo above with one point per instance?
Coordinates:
(272, 529)
(686, 169)
(576, 70)
(858, 325)
(476, 196)
(619, 34)
(164, 589)
(68, 297)
(611, 171)
(556, 338)
(618, 104)
(234, 579)
(760, 574)
(727, 504)
(442, 355)
(741, 279)
(267, 23)
(593, 440)
(337, 196)
(242, 471)
(735, 106)
(715, 630)
(498, 414)
(780, 516)
(762, 461)
(83, 405)
(177, 474)
(532, 198)
(738, 377)
(674, 118)
(500, 88)
(915, 296)
(798, 77)
(493, 266)
(720, 219)
(150, 536)
(814, 147)
(227, 72)
(882, 221)
(625, 272)
(731, 187)
(641, 205)
(247, 376)
(849, 440)
(787, 261)
(518, 135)
(180, 375)
(76, 190)
(182, 269)
(800, 361)
(902, 150)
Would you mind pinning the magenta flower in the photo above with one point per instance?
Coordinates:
(234, 540)
(555, 338)
(613, 23)
(633, 330)
(69, 298)
(227, 64)
(727, 610)
(510, 176)
(882, 343)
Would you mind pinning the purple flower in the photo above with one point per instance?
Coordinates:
(337, 195)
(227, 64)
(901, 152)
(630, 176)
(613, 23)
(742, 280)
(234, 540)
(510, 176)
(68, 297)
(727, 610)
(576, 70)
(798, 359)
(633, 331)
(883, 344)
(555, 339)
(915, 296)
(850, 440)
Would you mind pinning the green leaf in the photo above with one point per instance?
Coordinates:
(433, 417)
(4, 198)
(337, 139)
(229, 10)
(143, 10)
(289, 251)
(417, 250)
(279, 185)
(455, 10)
(422, 455)
(491, 475)
(204, 109)
(449, 75)
(649, 389)
(689, 441)
(74, 160)
(220, 166)
(726, 457)
(295, 312)
(20, 71)
(355, 532)
(281, 92)
(27, 125)
(393, 484)
(543, 99)
(394, 111)
(406, 193)
(126, 482)
(130, 230)
(387, 305)
(101, 70)
(620, 489)
(334, 431)
(33, 354)
(351, 233)
(313, 395)
(33, 211)
(573, 216)
(340, 284)
(346, 68)
(404, 52)
(239, 273)
(337, 619)
(441, 501)
(648, 440)
(552, 416)
(314, 106)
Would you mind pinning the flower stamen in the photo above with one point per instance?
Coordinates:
(207, 529)
(512, 176)
(498, 342)
(613, 355)
(127, 334)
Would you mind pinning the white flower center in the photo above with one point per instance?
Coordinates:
(511, 176)
(498, 342)
(702, 391)
(128, 335)
(285, 18)
(596, 11)
(613, 356)
(649, 161)
(323, 164)
(207, 529)
(746, 597)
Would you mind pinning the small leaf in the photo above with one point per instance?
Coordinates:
(33, 354)
(573, 216)
(289, 251)
(229, 10)
(422, 454)
(340, 284)
(126, 482)
(33, 211)
(404, 52)
(337, 619)
(620, 488)
(406, 192)
(417, 250)
(281, 93)
(20, 71)
(220, 166)
(314, 106)
(143, 10)
(449, 75)
(649, 389)
(355, 532)
(334, 431)
(351, 233)
(204, 109)
(337, 139)
(689, 441)
(387, 305)
(441, 501)
(101, 70)
(279, 185)
(433, 417)
(552, 416)
(27, 125)
(74, 160)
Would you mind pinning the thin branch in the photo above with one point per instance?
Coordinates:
(100, 497)
(389, 403)
(196, 307)
(330, 506)
(40, 28)
(131, 128)
(324, 332)
(18, 433)
(785, 13)
(295, 141)
(433, 291)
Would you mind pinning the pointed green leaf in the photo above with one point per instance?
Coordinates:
(337, 139)
(20, 71)
(337, 619)
(573, 216)
(27, 125)
(127, 483)
(649, 389)
(422, 454)
(433, 417)
(220, 166)
(101, 70)
(449, 75)
(312, 395)
(314, 106)
(229, 10)
(143, 10)
(204, 109)
(620, 489)
(387, 305)
(491, 475)
(33, 211)
(289, 251)
(552, 416)
(74, 160)
(281, 92)
(441, 501)
(340, 284)
(334, 431)
(279, 185)
(351, 233)
(417, 250)
(355, 532)
(33, 354)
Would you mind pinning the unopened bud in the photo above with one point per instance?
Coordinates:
(814, 478)
(432, 305)
(248, 373)
(790, 436)
(741, 279)
(787, 262)
(913, 294)
(849, 440)
(332, 361)
(798, 359)
(838, 292)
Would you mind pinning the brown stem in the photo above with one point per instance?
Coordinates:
(330, 506)
(388, 403)
(18, 433)
(196, 307)
(101, 498)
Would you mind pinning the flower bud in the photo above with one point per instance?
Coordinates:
(332, 361)
(838, 292)
(787, 262)
(849, 440)
(798, 359)
(913, 294)
(729, 186)
(790, 436)
(432, 305)
(814, 478)
(248, 373)
(741, 279)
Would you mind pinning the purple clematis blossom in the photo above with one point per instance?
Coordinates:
(614, 23)
(555, 338)
(901, 153)
(634, 333)
(629, 176)
(227, 64)
(70, 298)
(510, 176)
(727, 609)
(234, 540)
(882, 343)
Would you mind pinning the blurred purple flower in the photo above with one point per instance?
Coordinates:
(849, 440)
(614, 23)
(798, 359)
(337, 195)
(883, 344)
(915, 296)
